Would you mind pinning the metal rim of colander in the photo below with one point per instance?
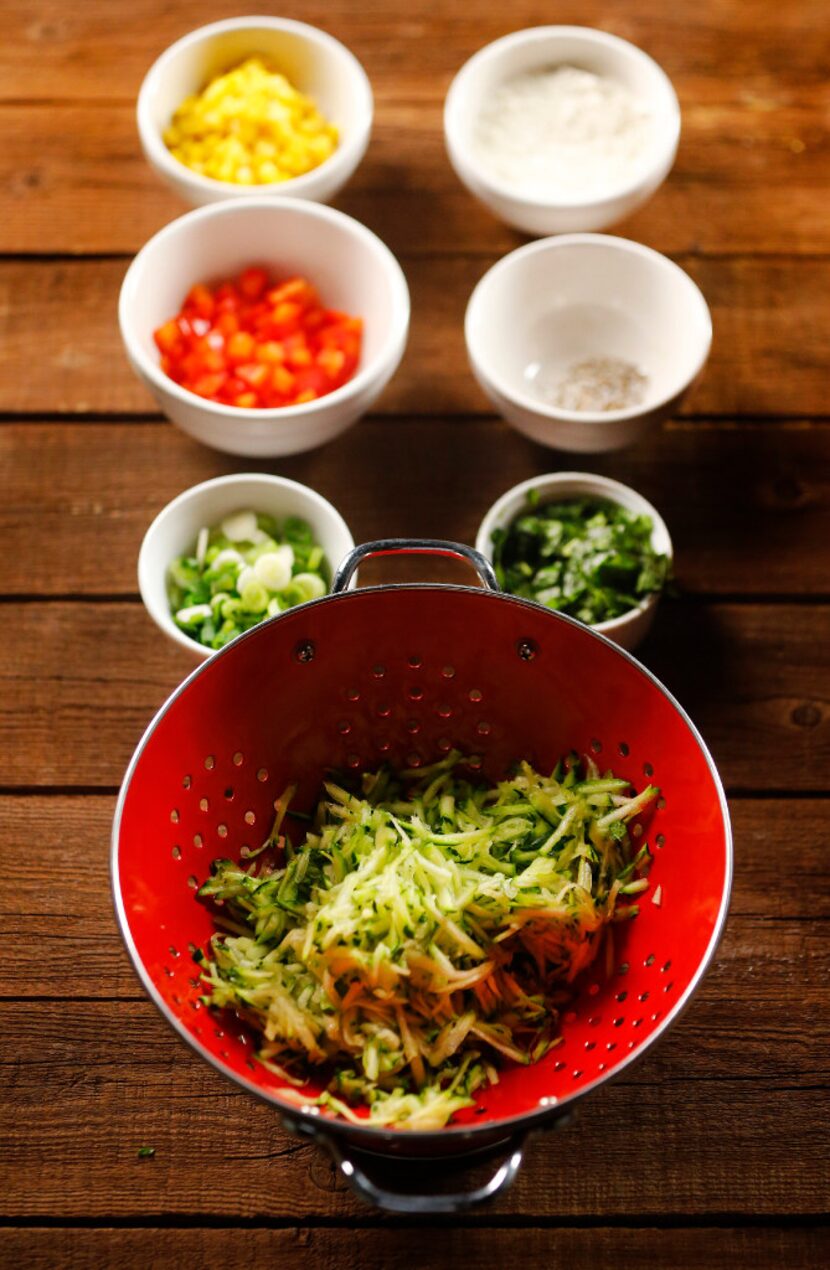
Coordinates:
(309, 1120)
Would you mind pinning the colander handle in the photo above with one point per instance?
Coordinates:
(414, 547)
(403, 1201)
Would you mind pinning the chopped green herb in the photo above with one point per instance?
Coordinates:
(587, 557)
(146, 1153)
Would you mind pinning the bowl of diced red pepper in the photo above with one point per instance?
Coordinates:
(264, 327)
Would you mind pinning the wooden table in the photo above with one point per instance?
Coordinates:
(713, 1151)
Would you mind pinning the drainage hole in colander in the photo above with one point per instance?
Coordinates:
(194, 981)
(637, 831)
(378, 671)
(595, 1020)
(193, 882)
(203, 804)
(238, 758)
(187, 781)
(415, 693)
(176, 1000)
(559, 1067)
(174, 817)
(650, 959)
(197, 840)
(660, 840)
(415, 661)
(666, 966)
(210, 763)
(353, 760)
(249, 1065)
(174, 952)
(636, 1022)
(229, 793)
(596, 746)
(621, 996)
(600, 1067)
(222, 830)
(250, 817)
(648, 769)
(475, 763)
(444, 745)
(618, 1022)
(383, 745)
(590, 1045)
(176, 853)
(660, 804)
(484, 728)
(475, 695)
(448, 672)
(352, 694)
(623, 969)
(655, 1016)
(262, 775)
(168, 972)
(576, 1073)
(444, 711)
(217, 1031)
(413, 760)
(643, 996)
(191, 948)
(413, 727)
(383, 710)
(624, 749)
(611, 1045)
(669, 986)
(344, 727)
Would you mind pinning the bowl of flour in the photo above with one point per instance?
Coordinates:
(561, 129)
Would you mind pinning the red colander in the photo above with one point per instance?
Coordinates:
(402, 674)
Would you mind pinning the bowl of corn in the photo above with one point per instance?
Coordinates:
(255, 105)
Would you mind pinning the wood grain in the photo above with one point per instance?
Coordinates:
(78, 498)
(81, 682)
(410, 1248)
(768, 356)
(60, 940)
(120, 1079)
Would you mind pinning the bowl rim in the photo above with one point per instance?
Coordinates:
(395, 334)
(146, 572)
(663, 149)
(544, 410)
(347, 153)
(603, 487)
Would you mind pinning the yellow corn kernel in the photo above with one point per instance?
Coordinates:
(250, 126)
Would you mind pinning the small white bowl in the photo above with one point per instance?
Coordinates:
(315, 63)
(630, 628)
(348, 264)
(559, 301)
(175, 530)
(542, 48)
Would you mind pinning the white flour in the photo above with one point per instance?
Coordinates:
(563, 132)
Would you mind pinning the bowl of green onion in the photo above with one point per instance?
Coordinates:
(232, 552)
(584, 545)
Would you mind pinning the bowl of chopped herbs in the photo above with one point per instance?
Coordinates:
(584, 545)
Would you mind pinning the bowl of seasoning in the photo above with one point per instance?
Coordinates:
(584, 545)
(585, 341)
(561, 128)
(264, 326)
(252, 104)
(229, 553)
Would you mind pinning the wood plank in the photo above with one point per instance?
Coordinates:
(754, 150)
(119, 1079)
(416, 48)
(77, 498)
(768, 355)
(755, 159)
(59, 940)
(416, 1248)
(81, 682)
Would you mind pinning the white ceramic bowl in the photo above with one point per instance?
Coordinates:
(554, 303)
(352, 270)
(541, 48)
(315, 63)
(630, 628)
(176, 528)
